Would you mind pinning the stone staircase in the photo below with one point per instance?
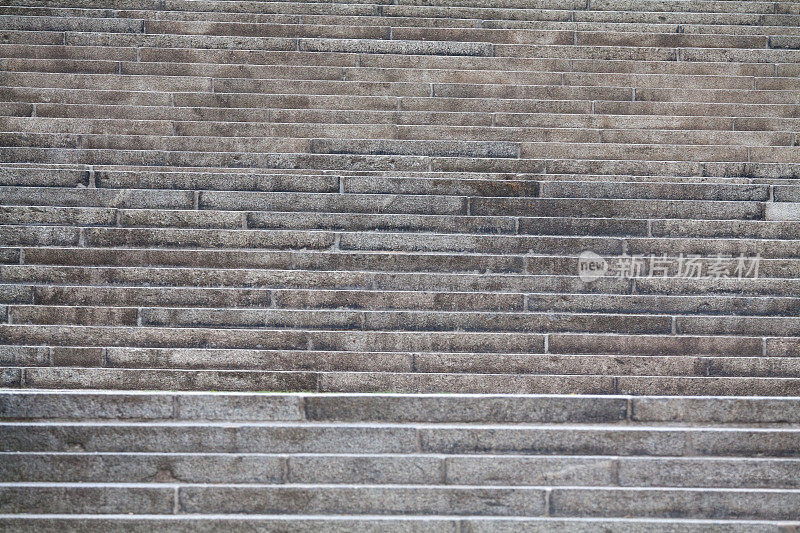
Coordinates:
(508, 463)
(400, 265)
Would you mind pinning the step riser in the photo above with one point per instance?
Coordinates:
(396, 439)
(382, 381)
(391, 408)
(501, 502)
(402, 470)
(346, 261)
(462, 320)
(287, 360)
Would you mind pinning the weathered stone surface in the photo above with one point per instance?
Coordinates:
(284, 525)
(725, 410)
(464, 408)
(316, 266)
(366, 500)
(238, 407)
(663, 503)
(18, 405)
(782, 211)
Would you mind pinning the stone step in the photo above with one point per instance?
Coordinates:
(738, 256)
(672, 303)
(355, 307)
(278, 407)
(24, 277)
(210, 180)
(679, 209)
(67, 236)
(398, 362)
(242, 132)
(351, 162)
(331, 153)
(683, 191)
(285, 180)
(435, 408)
(728, 286)
(471, 42)
(416, 320)
(371, 499)
(396, 341)
(382, 381)
(300, 299)
(411, 196)
(572, 69)
(404, 524)
(313, 180)
(547, 19)
(193, 116)
(351, 159)
(357, 187)
(632, 72)
(737, 325)
(782, 226)
(353, 260)
(396, 469)
(74, 63)
(784, 48)
(372, 437)
(200, 105)
(277, 338)
(407, 523)
(91, 216)
(248, 179)
(364, 30)
(149, 26)
(112, 143)
(649, 5)
(344, 59)
(555, 90)
(378, 310)
(110, 216)
(557, 32)
(220, 239)
(509, 7)
(206, 104)
(714, 175)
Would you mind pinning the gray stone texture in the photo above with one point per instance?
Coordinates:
(314, 266)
